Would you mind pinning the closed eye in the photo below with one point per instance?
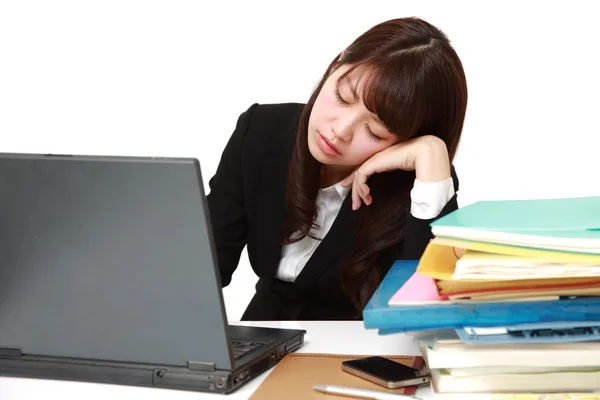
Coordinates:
(339, 97)
(372, 135)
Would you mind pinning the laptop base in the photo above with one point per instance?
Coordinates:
(198, 377)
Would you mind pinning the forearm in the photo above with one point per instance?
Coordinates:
(432, 163)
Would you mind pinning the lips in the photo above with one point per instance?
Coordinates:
(327, 147)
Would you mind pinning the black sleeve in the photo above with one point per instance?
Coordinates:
(418, 231)
(226, 202)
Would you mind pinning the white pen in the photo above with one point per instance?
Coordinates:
(362, 393)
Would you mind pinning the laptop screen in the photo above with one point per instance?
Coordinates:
(108, 259)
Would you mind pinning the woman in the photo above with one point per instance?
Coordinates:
(327, 195)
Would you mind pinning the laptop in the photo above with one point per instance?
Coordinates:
(108, 274)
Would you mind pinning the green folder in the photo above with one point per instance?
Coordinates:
(570, 224)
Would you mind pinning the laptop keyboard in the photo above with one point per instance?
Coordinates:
(243, 347)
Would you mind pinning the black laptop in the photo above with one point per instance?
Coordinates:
(108, 274)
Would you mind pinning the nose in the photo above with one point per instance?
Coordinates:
(343, 127)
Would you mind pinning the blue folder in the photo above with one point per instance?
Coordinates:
(407, 318)
(553, 332)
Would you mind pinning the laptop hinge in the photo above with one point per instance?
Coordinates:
(5, 352)
(201, 366)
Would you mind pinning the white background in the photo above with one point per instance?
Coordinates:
(169, 78)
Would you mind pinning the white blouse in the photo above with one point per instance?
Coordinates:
(427, 201)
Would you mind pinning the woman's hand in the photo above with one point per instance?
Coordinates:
(426, 155)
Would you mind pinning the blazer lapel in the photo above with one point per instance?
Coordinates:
(332, 248)
(271, 210)
(271, 214)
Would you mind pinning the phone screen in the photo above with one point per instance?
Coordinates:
(384, 368)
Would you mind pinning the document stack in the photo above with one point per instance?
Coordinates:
(504, 301)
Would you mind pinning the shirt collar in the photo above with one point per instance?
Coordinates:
(342, 191)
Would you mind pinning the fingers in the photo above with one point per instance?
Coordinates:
(360, 189)
(348, 181)
(360, 193)
(356, 199)
(399, 156)
(350, 178)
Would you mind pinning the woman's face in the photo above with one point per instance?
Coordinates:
(342, 132)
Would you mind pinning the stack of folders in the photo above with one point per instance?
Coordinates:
(504, 301)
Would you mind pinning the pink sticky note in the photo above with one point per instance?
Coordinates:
(418, 289)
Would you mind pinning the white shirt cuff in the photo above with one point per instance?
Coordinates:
(429, 198)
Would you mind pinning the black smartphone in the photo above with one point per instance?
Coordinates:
(385, 372)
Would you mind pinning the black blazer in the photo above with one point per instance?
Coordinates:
(246, 205)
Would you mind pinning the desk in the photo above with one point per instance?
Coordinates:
(348, 337)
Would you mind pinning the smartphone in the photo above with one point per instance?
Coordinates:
(385, 372)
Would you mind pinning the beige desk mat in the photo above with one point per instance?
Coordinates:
(296, 373)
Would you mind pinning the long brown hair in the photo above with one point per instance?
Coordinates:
(416, 85)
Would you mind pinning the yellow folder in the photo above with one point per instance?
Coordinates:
(557, 256)
(439, 261)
